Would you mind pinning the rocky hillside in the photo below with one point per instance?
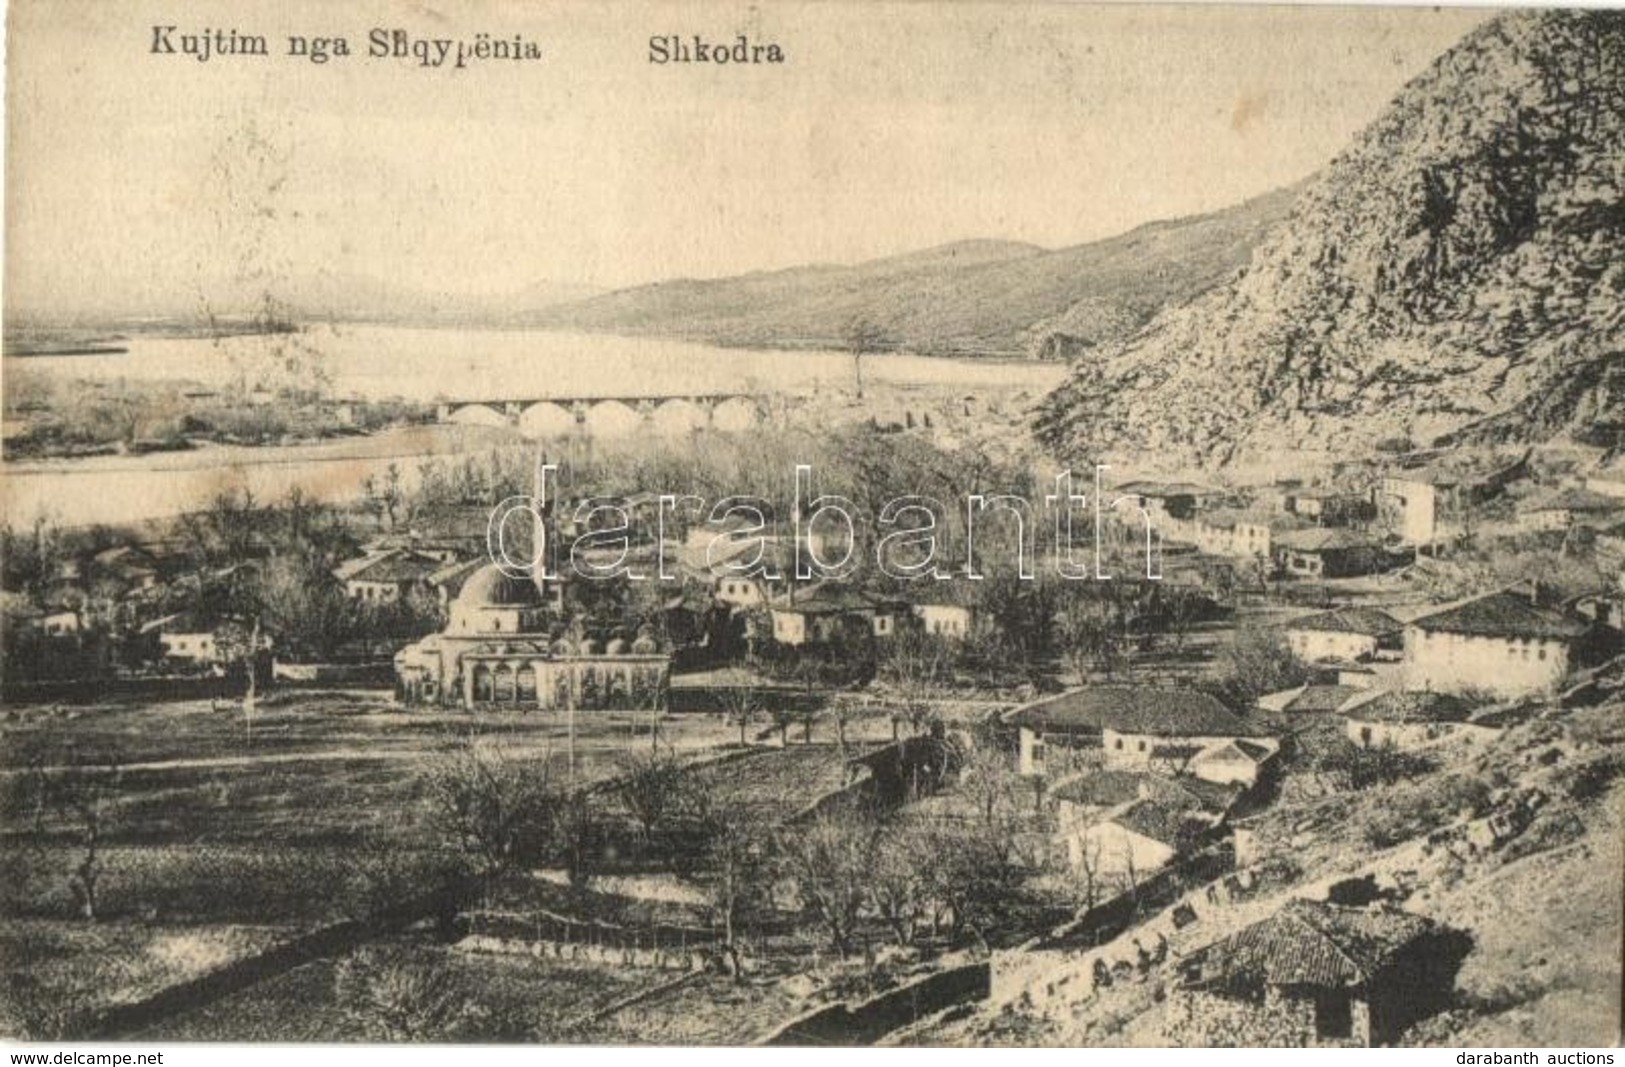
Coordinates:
(1456, 274)
(967, 298)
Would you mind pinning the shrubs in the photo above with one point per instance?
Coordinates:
(392, 997)
(1408, 811)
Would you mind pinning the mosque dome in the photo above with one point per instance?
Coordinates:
(488, 587)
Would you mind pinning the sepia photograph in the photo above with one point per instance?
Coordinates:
(812, 523)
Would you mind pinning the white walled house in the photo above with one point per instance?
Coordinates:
(1501, 644)
(1142, 839)
(60, 623)
(1345, 634)
(1408, 720)
(1239, 762)
(738, 591)
(196, 647)
(823, 614)
(1122, 820)
(388, 578)
(1569, 507)
(1166, 730)
(1171, 730)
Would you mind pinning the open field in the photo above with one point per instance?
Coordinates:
(214, 842)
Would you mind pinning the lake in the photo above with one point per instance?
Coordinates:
(376, 362)
(381, 362)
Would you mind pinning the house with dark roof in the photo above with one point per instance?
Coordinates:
(1170, 507)
(1314, 974)
(1240, 762)
(388, 577)
(1330, 552)
(1163, 729)
(1325, 506)
(1244, 533)
(1570, 507)
(1137, 840)
(1135, 822)
(1428, 506)
(1354, 634)
(1171, 730)
(821, 614)
(1407, 719)
(1504, 643)
(1311, 699)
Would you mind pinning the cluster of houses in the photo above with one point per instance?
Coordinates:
(130, 608)
(1110, 752)
(1374, 519)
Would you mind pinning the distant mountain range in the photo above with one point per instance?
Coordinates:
(1457, 274)
(980, 297)
(976, 298)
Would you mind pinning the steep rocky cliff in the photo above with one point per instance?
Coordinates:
(1456, 274)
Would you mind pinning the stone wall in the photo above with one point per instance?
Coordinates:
(656, 958)
(1196, 1019)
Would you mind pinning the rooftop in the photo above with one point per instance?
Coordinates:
(1108, 789)
(1170, 823)
(1409, 707)
(1502, 614)
(1163, 490)
(1311, 698)
(1371, 622)
(1309, 943)
(1229, 518)
(392, 567)
(1160, 712)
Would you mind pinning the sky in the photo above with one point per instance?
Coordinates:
(145, 181)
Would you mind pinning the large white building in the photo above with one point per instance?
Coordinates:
(505, 647)
(1163, 729)
(1502, 644)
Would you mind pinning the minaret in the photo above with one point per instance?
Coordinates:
(542, 534)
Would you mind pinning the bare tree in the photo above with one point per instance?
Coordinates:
(1086, 873)
(742, 708)
(736, 871)
(494, 813)
(830, 859)
(863, 336)
(82, 793)
(897, 887)
(652, 787)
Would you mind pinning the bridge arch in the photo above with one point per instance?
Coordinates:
(678, 416)
(545, 419)
(477, 415)
(735, 414)
(612, 418)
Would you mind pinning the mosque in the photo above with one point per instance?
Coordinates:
(504, 646)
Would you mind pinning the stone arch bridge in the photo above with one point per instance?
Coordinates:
(611, 416)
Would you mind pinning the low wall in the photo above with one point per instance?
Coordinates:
(656, 958)
(1062, 970)
(94, 690)
(371, 675)
(873, 1019)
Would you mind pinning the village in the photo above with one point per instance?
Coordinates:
(1123, 550)
(982, 774)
